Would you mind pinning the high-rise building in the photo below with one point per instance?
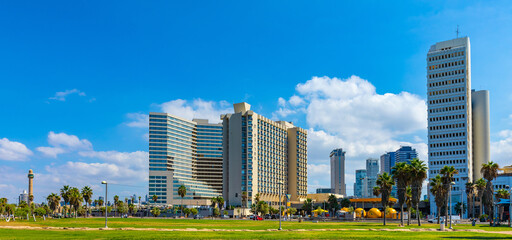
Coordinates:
(262, 157)
(23, 197)
(324, 190)
(183, 152)
(360, 185)
(338, 171)
(458, 120)
(405, 154)
(387, 161)
(372, 171)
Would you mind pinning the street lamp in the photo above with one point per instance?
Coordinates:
(106, 208)
(450, 197)
(279, 184)
(509, 205)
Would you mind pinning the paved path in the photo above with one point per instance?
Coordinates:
(250, 230)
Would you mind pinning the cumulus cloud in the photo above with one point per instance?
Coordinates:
(61, 96)
(13, 151)
(197, 108)
(139, 120)
(349, 113)
(62, 143)
(501, 150)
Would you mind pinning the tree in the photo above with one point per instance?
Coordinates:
(257, 197)
(186, 211)
(75, 199)
(345, 202)
(122, 208)
(40, 211)
(214, 202)
(489, 172)
(308, 206)
(64, 193)
(131, 208)
(291, 211)
(402, 176)
(262, 207)
(220, 200)
(87, 194)
(480, 188)
(333, 203)
(194, 211)
(385, 183)
(244, 200)
(116, 200)
(470, 192)
(439, 191)
(155, 211)
(447, 176)
(502, 193)
(418, 172)
(408, 202)
(182, 191)
(458, 208)
(216, 212)
(53, 201)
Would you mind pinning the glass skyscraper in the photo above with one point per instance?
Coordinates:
(183, 152)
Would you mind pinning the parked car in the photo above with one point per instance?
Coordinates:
(198, 216)
(258, 218)
(225, 216)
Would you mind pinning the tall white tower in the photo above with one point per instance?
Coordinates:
(450, 113)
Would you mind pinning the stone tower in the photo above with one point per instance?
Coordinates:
(30, 186)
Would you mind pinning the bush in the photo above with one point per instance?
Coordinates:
(194, 211)
(186, 211)
(155, 211)
(225, 212)
(216, 212)
(483, 217)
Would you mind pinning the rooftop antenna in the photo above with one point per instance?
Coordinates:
(457, 31)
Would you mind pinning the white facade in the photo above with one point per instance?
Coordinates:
(456, 136)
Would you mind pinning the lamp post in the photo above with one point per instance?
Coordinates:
(106, 208)
(279, 184)
(450, 198)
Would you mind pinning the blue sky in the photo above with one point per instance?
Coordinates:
(78, 78)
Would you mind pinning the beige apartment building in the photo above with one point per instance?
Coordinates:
(262, 156)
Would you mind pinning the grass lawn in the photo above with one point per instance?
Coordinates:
(346, 230)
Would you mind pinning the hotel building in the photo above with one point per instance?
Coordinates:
(183, 152)
(338, 172)
(262, 157)
(458, 118)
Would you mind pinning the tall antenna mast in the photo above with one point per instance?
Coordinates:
(457, 31)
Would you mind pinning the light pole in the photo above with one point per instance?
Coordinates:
(106, 208)
(450, 198)
(509, 206)
(279, 184)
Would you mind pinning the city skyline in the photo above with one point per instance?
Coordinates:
(91, 84)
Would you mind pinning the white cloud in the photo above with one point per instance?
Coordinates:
(350, 114)
(197, 108)
(61, 96)
(139, 120)
(501, 150)
(62, 143)
(51, 151)
(13, 151)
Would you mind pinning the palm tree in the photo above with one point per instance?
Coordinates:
(75, 199)
(64, 193)
(116, 199)
(155, 197)
(87, 194)
(408, 202)
(418, 171)
(502, 193)
(244, 201)
(182, 191)
(489, 172)
(53, 201)
(220, 200)
(257, 198)
(437, 189)
(480, 188)
(470, 192)
(448, 172)
(385, 184)
(401, 176)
